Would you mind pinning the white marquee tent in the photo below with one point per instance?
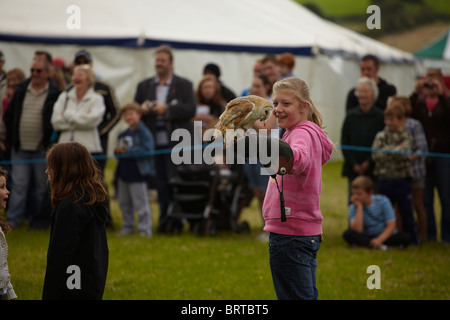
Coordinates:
(121, 36)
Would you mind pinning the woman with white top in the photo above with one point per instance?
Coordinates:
(79, 110)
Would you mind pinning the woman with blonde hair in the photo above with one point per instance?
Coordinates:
(79, 110)
(78, 242)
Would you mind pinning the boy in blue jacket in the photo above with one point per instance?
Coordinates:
(133, 170)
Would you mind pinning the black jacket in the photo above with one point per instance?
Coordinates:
(14, 113)
(77, 237)
(359, 130)
(180, 100)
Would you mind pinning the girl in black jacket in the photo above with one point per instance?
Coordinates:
(77, 257)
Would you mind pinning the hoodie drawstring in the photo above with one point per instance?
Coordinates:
(282, 208)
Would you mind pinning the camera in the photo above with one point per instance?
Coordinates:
(428, 84)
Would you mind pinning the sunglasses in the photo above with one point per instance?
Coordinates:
(36, 70)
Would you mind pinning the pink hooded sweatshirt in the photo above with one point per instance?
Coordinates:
(302, 185)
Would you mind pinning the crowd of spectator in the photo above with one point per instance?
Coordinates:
(60, 102)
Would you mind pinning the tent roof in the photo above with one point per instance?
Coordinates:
(439, 49)
(261, 26)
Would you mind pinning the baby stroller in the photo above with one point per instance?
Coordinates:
(209, 198)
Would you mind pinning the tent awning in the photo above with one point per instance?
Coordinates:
(440, 49)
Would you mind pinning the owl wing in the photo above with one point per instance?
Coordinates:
(235, 114)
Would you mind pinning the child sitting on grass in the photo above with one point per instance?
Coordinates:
(372, 218)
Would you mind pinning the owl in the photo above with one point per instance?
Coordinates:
(241, 113)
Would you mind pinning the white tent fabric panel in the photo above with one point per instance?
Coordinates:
(240, 23)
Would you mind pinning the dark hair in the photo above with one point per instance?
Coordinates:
(48, 56)
(264, 79)
(371, 57)
(270, 57)
(72, 171)
(212, 68)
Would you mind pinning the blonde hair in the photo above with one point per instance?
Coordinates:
(88, 71)
(301, 92)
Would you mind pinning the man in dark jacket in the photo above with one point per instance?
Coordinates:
(369, 67)
(167, 103)
(29, 130)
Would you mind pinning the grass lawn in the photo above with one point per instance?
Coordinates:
(235, 266)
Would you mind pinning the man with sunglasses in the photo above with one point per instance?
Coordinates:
(29, 130)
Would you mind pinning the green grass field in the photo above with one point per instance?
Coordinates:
(235, 266)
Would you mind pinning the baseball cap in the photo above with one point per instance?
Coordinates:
(83, 53)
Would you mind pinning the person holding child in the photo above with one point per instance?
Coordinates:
(393, 166)
(295, 240)
(6, 289)
(372, 218)
(133, 171)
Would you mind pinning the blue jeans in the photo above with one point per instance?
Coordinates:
(438, 176)
(293, 265)
(25, 166)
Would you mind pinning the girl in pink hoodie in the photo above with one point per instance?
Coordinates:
(294, 241)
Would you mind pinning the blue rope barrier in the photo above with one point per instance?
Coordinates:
(370, 149)
(169, 150)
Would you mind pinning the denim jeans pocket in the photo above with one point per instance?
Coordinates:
(300, 248)
(306, 248)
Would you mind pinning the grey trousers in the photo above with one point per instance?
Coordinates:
(133, 197)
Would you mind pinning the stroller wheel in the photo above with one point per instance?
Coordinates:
(211, 228)
(172, 225)
(198, 227)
